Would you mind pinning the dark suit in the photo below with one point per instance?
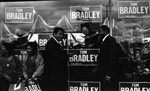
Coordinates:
(56, 65)
(108, 62)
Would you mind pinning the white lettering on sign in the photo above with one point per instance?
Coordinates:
(19, 15)
(135, 84)
(33, 88)
(134, 10)
(18, 87)
(145, 89)
(86, 14)
(42, 42)
(130, 89)
(84, 58)
(64, 42)
(83, 52)
(75, 88)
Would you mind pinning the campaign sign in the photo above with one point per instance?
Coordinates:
(33, 87)
(43, 39)
(21, 54)
(85, 13)
(84, 86)
(133, 9)
(84, 57)
(134, 86)
(64, 42)
(19, 15)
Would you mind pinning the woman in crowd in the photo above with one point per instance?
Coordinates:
(31, 62)
(8, 72)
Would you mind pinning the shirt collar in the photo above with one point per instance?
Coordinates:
(105, 37)
(56, 40)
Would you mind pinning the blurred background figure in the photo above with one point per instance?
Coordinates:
(18, 32)
(22, 37)
(31, 62)
(91, 37)
(8, 66)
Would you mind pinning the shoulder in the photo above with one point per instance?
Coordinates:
(39, 55)
(50, 41)
(111, 38)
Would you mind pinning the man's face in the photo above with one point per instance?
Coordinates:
(59, 35)
(3, 49)
(102, 32)
(29, 48)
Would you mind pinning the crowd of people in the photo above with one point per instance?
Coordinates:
(51, 65)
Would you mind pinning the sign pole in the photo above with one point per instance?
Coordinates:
(110, 18)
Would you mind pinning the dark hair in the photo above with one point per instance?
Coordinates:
(33, 45)
(105, 28)
(9, 47)
(56, 29)
(87, 25)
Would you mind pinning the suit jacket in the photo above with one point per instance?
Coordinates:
(108, 58)
(56, 61)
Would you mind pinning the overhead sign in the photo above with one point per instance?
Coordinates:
(85, 13)
(84, 57)
(134, 86)
(84, 86)
(19, 15)
(133, 9)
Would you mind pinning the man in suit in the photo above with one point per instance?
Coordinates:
(108, 60)
(56, 62)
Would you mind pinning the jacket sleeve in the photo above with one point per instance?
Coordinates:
(19, 65)
(56, 52)
(39, 65)
(112, 57)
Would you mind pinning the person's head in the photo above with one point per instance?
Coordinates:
(3, 48)
(32, 48)
(18, 32)
(58, 33)
(104, 30)
(6, 48)
(85, 31)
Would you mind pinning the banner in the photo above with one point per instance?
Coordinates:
(134, 86)
(85, 13)
(64, 41)
(43, 39)
(83, 57)
(19, 15)
(22, 87)
(83, 86)
(133, 9)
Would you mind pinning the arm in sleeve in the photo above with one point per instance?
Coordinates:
(19, 65)
(112, 57)
(39, 65)
(59, 54)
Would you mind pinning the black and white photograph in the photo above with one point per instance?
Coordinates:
(75, 45)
